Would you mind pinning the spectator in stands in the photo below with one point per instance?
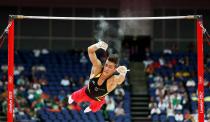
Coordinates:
(190, 83)
(152, 102)
(110, 103)
(38, 91)
(4, 106)
(61, 95)
(45, 51)
(65, 81)
(162, 61)
(43, 81)
(179, 117)
(179, 76)
(176, 99)
(18, 70)
(162, 105)
(185, 74)
(4, 68)
(83, 60)
(160, 91)
(119, 109)
(167, 51)
(119, 93)
(194, 97)
(167, 96)
(158, 78)
(156, 64)
(21, 103)
(178, 107)
(21, 80)
(31, 93)
(149, 70)
(195, 115)
(170, 110)
(185, 101)
(147, 62)
(74, 106)
(181, 61)
(37, 104)
(174, 87)
(38, 68)
(55, 105)
(34, 92)
(86, 80)
(207, 98)
(119, 90)
(38, 52)
(20, 91)
(188, 117)
(155, 110)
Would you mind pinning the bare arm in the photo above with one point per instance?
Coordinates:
(122, 74)
(92, 55)
(114, 81)
(97, 65)
(119, 79)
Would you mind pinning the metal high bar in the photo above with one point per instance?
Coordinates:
(104, 18)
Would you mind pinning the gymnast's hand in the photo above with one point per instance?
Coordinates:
(122, 70)
(101, 44)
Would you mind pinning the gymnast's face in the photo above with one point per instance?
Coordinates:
(109, 68)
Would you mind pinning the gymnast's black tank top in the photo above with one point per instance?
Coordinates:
(95, 91)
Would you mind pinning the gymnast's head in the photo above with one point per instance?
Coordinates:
(111, 64)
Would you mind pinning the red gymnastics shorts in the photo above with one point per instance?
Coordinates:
(81, 96)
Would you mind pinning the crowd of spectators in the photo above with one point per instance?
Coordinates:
(38, 86)
(172, 83)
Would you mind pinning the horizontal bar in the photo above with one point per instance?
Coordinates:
(104, 18)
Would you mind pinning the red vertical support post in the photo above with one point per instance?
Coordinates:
(10, 85)
(200, 67)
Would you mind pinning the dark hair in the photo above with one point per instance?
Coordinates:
(114, 58)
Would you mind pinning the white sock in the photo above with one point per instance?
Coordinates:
(70, 100)
(87, 110)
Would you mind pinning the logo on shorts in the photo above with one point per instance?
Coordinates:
(96, 89)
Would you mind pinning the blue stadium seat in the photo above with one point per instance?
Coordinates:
(171, 119)
(111, 115)
(59, 116)
(119, 119)
(83, 115)
(100, 116)
(75, 114)
(155, 118)
(52, 115)
(163, 118)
